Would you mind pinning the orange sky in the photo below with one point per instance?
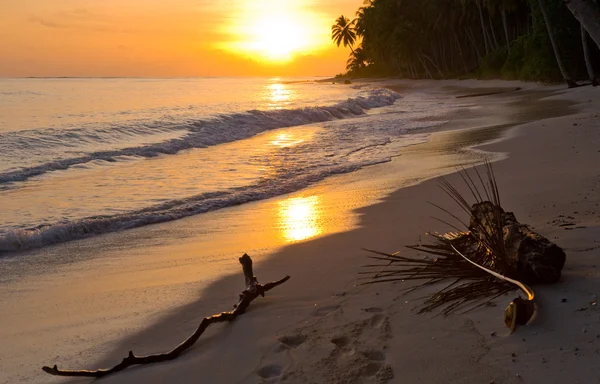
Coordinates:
(171, 38)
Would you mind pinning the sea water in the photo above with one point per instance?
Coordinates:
(86, 156)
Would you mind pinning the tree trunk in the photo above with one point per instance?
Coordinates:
(492, 29)
(398, 66)
(487, 49)
(472, 39)
(443, 57)
(505, 24)
(460, 52)
(434, 65)
(588, 14)
(586, 54)
(561, 66)
(425, 66)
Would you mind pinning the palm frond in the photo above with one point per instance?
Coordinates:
(472, 258)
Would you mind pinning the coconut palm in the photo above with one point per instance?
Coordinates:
(588, 14)
(586, 55)
(561, 66)
(342, 32)
(356, 60)
(448, 38)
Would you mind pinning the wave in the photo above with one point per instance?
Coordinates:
(201, 133)
(43, 235)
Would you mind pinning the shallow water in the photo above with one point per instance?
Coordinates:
(80, 157)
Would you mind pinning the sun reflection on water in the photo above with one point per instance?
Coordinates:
(284, 140)
(279, 94)
(299, 218)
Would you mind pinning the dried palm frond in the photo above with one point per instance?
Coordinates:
(475, 259)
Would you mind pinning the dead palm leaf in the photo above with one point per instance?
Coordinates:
(475, 260)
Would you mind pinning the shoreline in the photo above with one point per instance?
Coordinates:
(263, 315)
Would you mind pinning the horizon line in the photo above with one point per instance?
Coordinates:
(148, 77)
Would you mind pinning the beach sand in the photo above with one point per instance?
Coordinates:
(86, 303)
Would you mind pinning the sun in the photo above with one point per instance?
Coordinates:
(276, 31)
(277, 37)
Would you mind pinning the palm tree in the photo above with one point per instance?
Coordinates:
(356, 60)
(505, 5)
(484, 33)
(342, 32)
(451, 37)
(505, 26)
(561, 66)
(586, 55)
(588, 14)
(360, 21)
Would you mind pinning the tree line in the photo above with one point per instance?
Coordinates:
(537, 40)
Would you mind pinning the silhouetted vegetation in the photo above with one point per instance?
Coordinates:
(538, 40)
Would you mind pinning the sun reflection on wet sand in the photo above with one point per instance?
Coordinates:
(299, 218)
(284, 140)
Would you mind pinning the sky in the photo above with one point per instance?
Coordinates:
(171, 38)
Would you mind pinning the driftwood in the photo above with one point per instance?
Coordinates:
(492, 254)
(252, 291)
(489, 93)
(529, 256)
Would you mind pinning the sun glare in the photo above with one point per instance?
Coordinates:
(300, 218)
(276, 31)
(277, 38)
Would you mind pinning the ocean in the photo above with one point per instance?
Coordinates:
(84, 156)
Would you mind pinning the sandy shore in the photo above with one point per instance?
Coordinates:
(85, 304)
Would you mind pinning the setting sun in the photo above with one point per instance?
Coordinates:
(277, 38)
(277, 31)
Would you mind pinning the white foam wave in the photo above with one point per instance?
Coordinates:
(201, 133)
(22, 239)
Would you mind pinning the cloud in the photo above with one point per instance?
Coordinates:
(158, 20)
(79, 18)
(46, 23)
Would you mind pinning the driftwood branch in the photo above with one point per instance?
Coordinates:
(252, 291)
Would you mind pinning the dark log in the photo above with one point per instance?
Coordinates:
(488, 93)
(530, 257)
(495, 255)
(252, 291)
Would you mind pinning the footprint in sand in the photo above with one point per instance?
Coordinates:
(376, 366)
(375, 355)
(340, 342)
(377, 321)
(292, 341)
(372, 368)
(333, 350)
(269, 372)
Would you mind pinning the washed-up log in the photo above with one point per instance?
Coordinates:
(529, 256)
(252, 291)
(491, 255)
(494, 92)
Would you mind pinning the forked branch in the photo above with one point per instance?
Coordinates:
(252, 291)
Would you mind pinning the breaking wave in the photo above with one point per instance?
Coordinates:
(22, 239)
(197, 134)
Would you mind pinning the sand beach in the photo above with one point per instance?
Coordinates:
(86, 303)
